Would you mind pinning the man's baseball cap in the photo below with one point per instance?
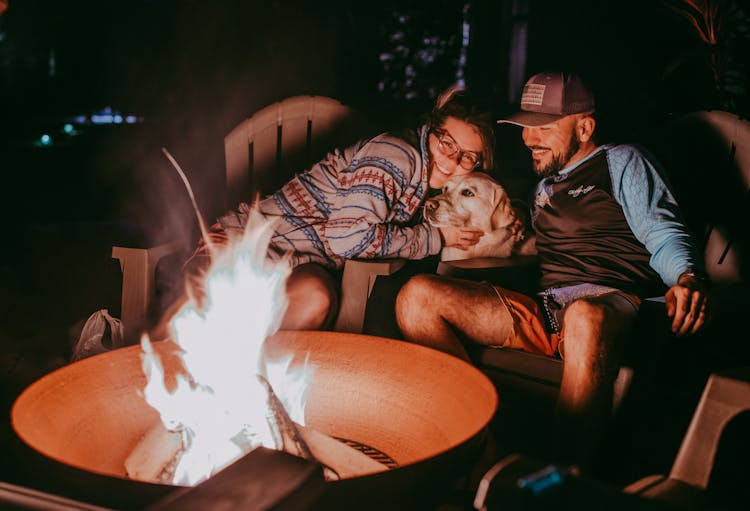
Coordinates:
(550, 96)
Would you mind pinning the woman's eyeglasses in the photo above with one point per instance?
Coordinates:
(469, 160)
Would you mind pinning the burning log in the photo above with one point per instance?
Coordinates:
(156, 455)
(339, 460)
(288, 437)
(346, 461)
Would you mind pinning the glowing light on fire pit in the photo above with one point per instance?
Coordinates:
(220, 406)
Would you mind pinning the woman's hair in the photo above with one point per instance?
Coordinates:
(458, 103)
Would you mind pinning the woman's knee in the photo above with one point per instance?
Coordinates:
(313, 299)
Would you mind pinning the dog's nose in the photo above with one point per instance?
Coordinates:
(431, 205)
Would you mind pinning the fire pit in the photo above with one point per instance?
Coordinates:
(418, 410)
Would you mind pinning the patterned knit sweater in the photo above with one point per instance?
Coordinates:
(355, 203)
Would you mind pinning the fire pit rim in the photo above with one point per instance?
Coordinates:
(339, 338)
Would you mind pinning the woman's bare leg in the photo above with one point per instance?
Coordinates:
(313, 299)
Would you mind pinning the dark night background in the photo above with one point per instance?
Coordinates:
(190, 70)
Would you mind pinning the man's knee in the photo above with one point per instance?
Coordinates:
(586, 313)
(593, 329)
(416, 294)
(415, 300)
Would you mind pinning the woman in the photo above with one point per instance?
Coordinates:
(361, 203)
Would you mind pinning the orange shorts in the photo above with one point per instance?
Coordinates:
(528, 331)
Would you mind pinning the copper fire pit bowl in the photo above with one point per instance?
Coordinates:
(424, 409)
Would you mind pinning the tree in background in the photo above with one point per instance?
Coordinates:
(421, 55)
(719, 55)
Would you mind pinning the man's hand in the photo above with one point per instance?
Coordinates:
(687, 304)
(460, 237)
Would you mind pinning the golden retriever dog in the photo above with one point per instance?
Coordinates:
(476, 200)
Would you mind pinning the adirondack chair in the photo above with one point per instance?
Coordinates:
(261, 153)
(725, 397)
(699, 479)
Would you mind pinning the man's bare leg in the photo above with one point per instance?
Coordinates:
(440, 312)
(594, 332)
(313, 298)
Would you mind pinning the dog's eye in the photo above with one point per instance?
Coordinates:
(467, 193)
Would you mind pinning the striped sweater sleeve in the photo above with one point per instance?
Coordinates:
(378, 194)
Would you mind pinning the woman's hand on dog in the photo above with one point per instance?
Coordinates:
(459, 237)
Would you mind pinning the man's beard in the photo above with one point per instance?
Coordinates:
(559, 161)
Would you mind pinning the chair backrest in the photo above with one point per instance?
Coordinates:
(264, 151)
(707, 157)
(726, 396)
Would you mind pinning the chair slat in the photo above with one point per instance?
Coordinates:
(306, 127)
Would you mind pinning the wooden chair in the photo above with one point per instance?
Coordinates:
(261, 154)
(725, 396)
(519, 481)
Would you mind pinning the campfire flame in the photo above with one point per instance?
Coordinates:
(220, 407)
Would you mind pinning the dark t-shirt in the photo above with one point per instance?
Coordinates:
(584, 237)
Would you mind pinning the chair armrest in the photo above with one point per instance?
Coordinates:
(356, 285)
(725, 396)
(517, 363)
(138, 267)
(480, 263)
(519, 273)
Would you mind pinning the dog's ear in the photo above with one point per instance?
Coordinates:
(503, 213)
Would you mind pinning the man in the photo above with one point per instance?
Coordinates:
(609, 233)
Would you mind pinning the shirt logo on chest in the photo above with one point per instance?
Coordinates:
(542, 198)
(581, 190)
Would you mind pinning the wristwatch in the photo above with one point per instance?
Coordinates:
(699, 276)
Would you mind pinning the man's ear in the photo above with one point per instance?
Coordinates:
(585, 128)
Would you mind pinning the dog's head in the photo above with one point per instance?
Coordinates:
(472, 200)
(477, 201)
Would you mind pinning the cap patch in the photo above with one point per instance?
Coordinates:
(533, 94)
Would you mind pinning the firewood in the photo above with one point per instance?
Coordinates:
(155, 456)
(288, 437)
(344, 460)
